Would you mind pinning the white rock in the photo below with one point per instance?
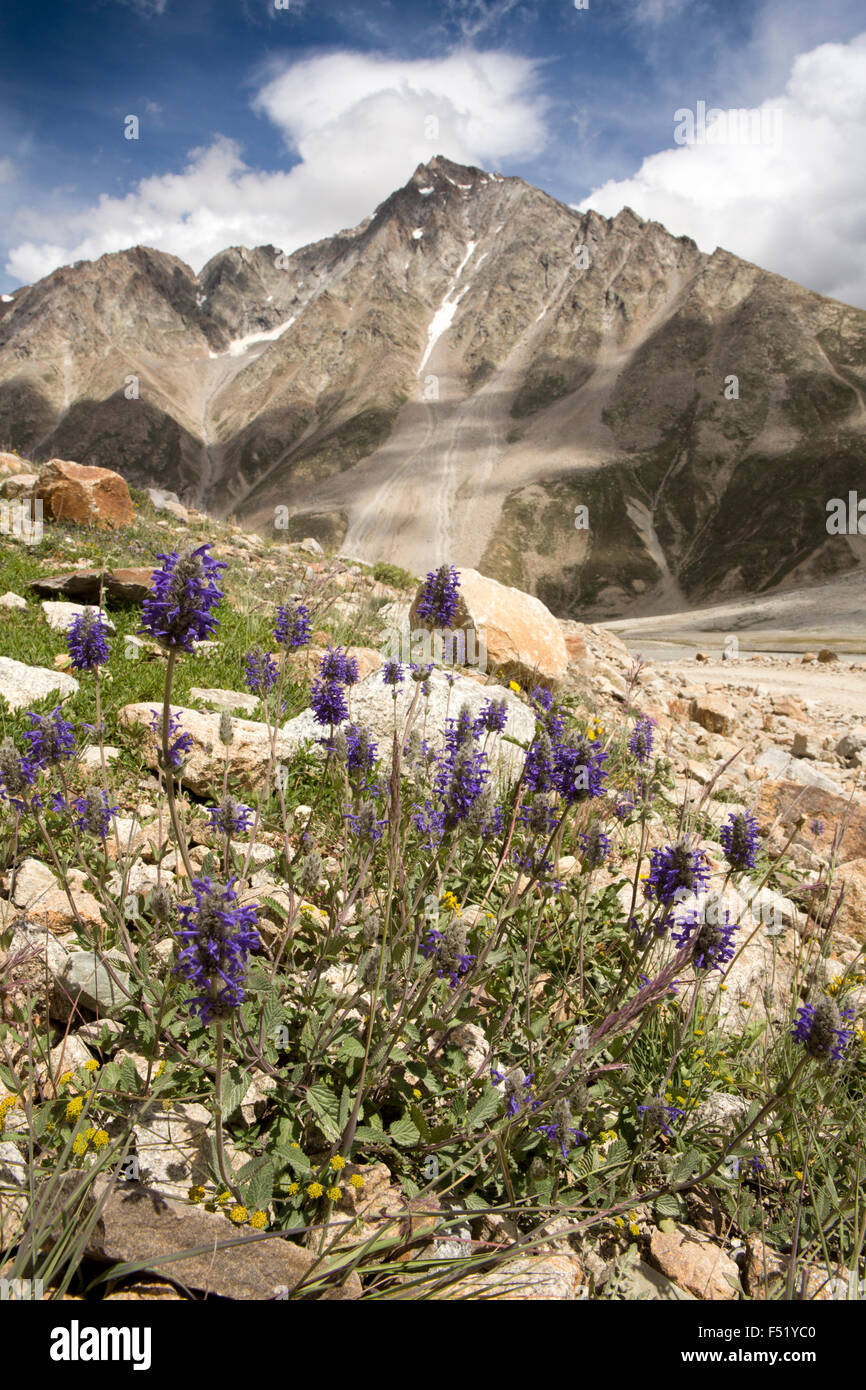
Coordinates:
(59, 615)
(11, 600)
(21, 685)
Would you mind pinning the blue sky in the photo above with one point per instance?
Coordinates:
(283, 125)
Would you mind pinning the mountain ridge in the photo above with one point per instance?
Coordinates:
(453, 378)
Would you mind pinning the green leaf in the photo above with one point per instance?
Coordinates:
(618, 1152)
(688, 1164)
(260, 1188)
(349, 1048)
(365, 1134)
(669, 1205)
(404, 1132)
(485, 1107)
(326, 1108)
(235, 1087)
(128, 1077)
(420, 1119)
(345, 1108)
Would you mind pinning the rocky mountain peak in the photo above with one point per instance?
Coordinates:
(589, 409)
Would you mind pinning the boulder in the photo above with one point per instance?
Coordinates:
(523, 1279)
(851, 917)
(695, 1262)
(125, 586)
(86, 981)
(782, 764)
(138, 1226)
(74, 492)
(162, 501)
(524, 641)
(225, 699)
(714, 714)
(12, 601)
(371, 704)
(818, 813)
(249, 753)
(59, 616)
(854, 742)
(16, 486)
(44, 902)
(12, 464)
(22, 685)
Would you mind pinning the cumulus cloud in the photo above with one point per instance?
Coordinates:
(794, 201)
(356, 126)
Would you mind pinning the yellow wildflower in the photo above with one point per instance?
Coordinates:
(618, 1221)
(196, 1194)
(65, 1078)
(334, 1194)
(314, 1189)
(159, 1069)
(224, 1196)
(512, 685)
(91, 1064)
(450, 901)
(416, 1093)
(7, 1105)
(338, 1162)
(79, 1144)
(294, 1189)
(634, 1228)
(74, 1108)
(238, 1215)
(356, 1181)
(259, 1220)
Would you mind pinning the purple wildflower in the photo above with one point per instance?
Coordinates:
(230, 817)
(85, 640)
(338, 666)
(17, 774)
(578, 772)
(820, 1029)
(448, 949)
(293, 628)
(594, 847)
(518, 1089)
(52, 738)
(492, 718)
(676, 870)
(392, 674)
(739, 839)
(328, 702)
(641, 741)
(177, 612)
(261, 671)
(656, 1115)
(92, 813)
(218, 936)
(178, 741)
(439, 597)
(713, 936)
(556, 1133)
(364, 824)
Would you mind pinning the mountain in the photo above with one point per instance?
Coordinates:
(453, 379)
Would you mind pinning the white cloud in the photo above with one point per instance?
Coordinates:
(7, 171)
(357, 125)
(796, 205)
(473, 16)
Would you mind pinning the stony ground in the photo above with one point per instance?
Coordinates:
(782, 737)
